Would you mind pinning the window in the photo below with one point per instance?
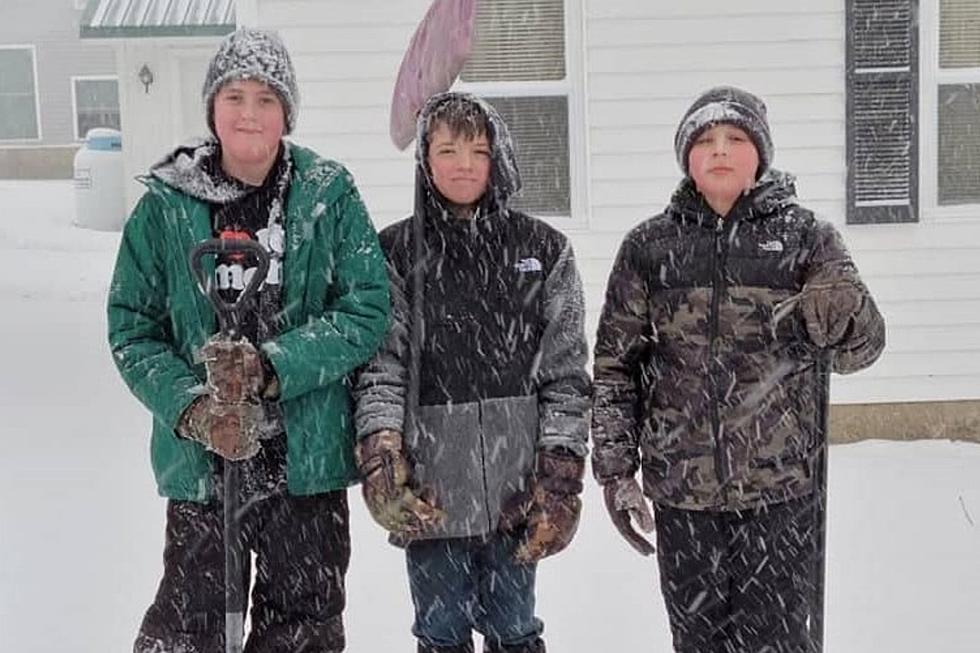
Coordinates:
(18, 94)
(957, 93)
(913, 109)
(96, 103)
(526, 63)
(882, 105)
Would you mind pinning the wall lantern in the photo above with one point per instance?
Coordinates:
(146, 77)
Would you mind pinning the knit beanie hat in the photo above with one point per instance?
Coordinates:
(252, 54)
(725, 104)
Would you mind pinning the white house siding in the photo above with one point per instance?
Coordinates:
(169, 112)
(645, 61)
(346, 56)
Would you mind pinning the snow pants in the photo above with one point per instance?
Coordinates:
(302, 547)
(738, 582)
(462, 584)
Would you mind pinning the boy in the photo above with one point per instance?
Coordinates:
(718, 315)
(494, 403)
(321, 310)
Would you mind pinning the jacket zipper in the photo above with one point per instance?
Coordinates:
(483, 469)
(717, 283)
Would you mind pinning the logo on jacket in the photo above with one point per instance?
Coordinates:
(528, 265)
(771, 246)
(234, 273)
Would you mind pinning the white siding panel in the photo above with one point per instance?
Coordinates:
(858, 389)
(909, 262)
(814, 78)
(613, 33)
(344, 66)
(360, 38)
(714, 57)
(283, 14)
(346, 56)
(629, 10)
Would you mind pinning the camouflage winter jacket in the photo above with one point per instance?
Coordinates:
(721, 402)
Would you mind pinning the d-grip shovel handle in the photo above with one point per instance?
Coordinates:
(229, 313)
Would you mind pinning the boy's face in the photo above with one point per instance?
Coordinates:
(723, 161)
(250, 121)
(460, 165)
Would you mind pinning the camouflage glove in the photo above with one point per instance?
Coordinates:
(386, 474)
(625, 502)
(829, 310)
(229, 430)
(549, 511)
(236, 373)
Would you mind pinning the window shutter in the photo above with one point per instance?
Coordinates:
(517, 40)
(882, 109)
(539, 128)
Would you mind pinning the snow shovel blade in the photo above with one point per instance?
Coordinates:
(435, 56)
(229, 313)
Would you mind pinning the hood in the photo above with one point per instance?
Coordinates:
(772, 193)
(193, 169)
(505, 178)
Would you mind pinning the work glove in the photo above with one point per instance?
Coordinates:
(626, 503)
(829, 310)
(236, 372)
(549, 510)
(386, 484)
(229, 430)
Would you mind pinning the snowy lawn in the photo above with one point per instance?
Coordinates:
(81, 527)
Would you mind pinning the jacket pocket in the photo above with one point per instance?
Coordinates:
(510, 436)
(447, 459)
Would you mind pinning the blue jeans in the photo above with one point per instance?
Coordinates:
(463, 584)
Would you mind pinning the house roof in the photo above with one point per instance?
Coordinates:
(146, 18)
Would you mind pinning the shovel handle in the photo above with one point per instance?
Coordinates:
(228, 313)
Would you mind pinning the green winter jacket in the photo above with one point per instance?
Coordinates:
(335, 303)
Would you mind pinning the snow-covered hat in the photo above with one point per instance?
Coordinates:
(725, 104)
(253, 54)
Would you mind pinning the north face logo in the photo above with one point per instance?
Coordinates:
(528, 265)
(771, 246)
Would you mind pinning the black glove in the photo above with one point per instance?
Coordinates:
(625, 502)
(550, 508)
(386, 475)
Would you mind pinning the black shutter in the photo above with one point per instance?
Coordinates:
(882, 111)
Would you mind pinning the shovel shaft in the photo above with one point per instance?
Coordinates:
(234, 562)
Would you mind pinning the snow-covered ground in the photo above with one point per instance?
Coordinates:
(81, 527)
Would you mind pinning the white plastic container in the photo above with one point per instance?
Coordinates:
(100, 199)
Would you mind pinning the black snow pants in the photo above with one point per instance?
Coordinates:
(738, 582)
(302, 550)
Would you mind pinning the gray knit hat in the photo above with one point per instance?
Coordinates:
(252, 54)
(725, 104)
